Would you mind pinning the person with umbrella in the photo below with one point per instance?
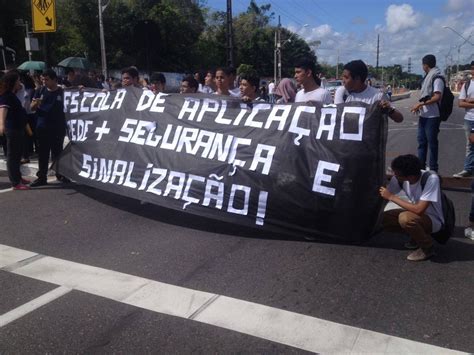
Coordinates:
(12, 124)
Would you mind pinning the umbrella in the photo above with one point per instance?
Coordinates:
(75, 62)
(32, 65)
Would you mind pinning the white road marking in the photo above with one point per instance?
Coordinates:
(31, 306)
(293, 329)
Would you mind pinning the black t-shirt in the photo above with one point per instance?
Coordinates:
(16, 115)
(50, 113)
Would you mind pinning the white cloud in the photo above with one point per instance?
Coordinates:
(401, 17)
(459, 5)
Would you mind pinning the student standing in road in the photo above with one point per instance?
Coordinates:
(50, 125)
(307, 77)
(466, 101)
(353, 78)
(420, 216)
(12, 124)
(427, 107)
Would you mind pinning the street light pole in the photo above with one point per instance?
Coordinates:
(102, 38)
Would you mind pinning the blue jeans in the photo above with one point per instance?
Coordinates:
(469, 161)
(428, 129)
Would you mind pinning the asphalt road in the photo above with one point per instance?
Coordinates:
(371, 286)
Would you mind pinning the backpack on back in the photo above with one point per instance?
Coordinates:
(445, 105)
(449, 213)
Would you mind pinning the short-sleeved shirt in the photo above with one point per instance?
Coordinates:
(430, 193)
(340, 95)
(469, 116)
(271, 88)
(318, 95)
(50, 113)
(16, 114)
(370, 95)
(432, 110)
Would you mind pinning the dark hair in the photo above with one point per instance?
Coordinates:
(227, 71)
(68, 70)
(307, 63)
(358, 69)
(201, 74)
(50, 73)
(132, 71)
(407, 165)
(8, 81)
(191, 82)
(252, 77)
(233, 71)
(157, 77)
(429, 60)
(472, 63)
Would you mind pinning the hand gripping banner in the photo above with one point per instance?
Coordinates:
(298, 169)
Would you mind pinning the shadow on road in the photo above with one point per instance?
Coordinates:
(458, 248)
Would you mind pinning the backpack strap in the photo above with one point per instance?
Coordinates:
(432, 88)
(466, 86)
(424, 178)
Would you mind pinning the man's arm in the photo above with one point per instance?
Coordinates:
(466, 103)
(435, 98)
(418, 208)
(3, 118)
(392, 112)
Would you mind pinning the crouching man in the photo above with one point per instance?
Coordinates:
(422, 214)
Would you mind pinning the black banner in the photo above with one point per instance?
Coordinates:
(299, 169)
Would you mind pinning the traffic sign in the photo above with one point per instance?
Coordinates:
(44, 15)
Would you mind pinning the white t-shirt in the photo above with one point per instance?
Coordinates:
(432, 110)
(271, 88)
(369, 95)
(470, 94)
(319, 95)
(431, 193)
(235, 92)
(339, 95)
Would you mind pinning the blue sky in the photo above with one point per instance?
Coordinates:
(349, 28)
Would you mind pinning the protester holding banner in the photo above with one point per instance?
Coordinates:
(189, 85)
(285, 92)
(249, 86)
(223, 81)
(307, 77)
(209, 86)
(157, 83)
(353, 77)
(130, 77)
(420, 216)
(50, 125)
(12, 125)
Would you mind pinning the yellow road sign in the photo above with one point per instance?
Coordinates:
(44, 15)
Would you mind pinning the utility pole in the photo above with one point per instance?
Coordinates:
(102, 39)
(377, 63)
(278, 51)
(230, 35)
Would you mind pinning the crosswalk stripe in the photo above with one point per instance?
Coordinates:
(285, 327)
(29, 307)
